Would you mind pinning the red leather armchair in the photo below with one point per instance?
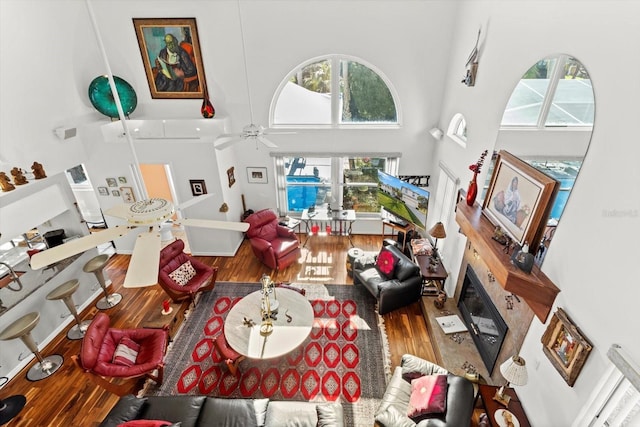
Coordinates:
(172, 257)
(99, 346)
(276, 246)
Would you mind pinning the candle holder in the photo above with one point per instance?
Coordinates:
(266, 326)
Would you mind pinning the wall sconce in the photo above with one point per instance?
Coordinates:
(436, 133)
(65, 133)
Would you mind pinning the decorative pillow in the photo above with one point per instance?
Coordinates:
(126, 352)
(183, 274)
(386, 263)
(428, 395)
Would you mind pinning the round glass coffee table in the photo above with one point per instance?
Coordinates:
(291, 327)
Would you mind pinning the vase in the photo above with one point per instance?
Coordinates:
(472, 191)
(207, 109)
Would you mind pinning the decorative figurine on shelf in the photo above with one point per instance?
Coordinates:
(38, 170)
(18, 178)
(5, 182)
(440, 300)
(472, 190)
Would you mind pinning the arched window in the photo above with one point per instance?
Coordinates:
(458, 129)
(334, 91)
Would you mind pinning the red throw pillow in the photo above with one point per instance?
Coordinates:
(386, 263)
(126, 352)
(428, 395)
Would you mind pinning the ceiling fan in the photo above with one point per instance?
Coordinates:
(145, 216)
(250, 131)
(144, 263)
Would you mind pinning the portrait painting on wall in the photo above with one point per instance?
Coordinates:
(519, 198)
(170, 51)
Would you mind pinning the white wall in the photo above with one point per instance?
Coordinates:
(421, 46)
(590, 259)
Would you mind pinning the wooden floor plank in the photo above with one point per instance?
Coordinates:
(68, 398)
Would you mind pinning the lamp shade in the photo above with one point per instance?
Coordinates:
(437, 231)
(514, 370)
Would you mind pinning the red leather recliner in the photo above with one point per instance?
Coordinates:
(99, 345)
(171, 257)
(276, 246)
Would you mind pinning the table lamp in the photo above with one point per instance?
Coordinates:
(515, 372)
(437, 232)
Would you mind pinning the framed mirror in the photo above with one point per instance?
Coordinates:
(548, 122)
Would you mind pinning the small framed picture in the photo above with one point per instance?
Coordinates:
(103, 191)
(198, 188)
(122, 179)
(115, 193)
(565, 346)
(127, 194)
(231, 176)
(257, 175)
(111, 182)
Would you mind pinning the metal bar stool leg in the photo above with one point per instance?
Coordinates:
(96, 265)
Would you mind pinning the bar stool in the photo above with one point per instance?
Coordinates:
(96, 265)
(21, 328)
(65, 293)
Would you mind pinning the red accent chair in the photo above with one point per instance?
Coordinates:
(275, 245)
(231, 357)
(99, 346)
(172, 256)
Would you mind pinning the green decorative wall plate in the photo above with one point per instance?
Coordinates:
(102, 98)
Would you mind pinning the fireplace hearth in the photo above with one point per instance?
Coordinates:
(487, 327)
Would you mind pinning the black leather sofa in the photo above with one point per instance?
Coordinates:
(399, 288)
(392, 412)
(195, 411)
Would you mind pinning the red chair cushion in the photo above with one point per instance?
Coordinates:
(126, 352)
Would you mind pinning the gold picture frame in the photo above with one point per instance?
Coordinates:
(522, 211)
(565, 346)
(170, 50)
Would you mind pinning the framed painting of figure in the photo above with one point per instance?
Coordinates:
(170, 51)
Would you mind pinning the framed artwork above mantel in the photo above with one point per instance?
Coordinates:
(519, 199)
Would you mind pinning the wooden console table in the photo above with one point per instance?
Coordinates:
(491, 406)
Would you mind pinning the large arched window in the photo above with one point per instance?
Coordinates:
(334, 91)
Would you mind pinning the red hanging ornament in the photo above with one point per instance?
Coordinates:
(207, 109)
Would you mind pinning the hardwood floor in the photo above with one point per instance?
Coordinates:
(68, 398)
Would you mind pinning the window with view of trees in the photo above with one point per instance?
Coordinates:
(339, 182)
(334, 91)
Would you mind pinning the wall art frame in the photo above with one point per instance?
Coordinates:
(519, 199)
(231, 176)
(198, 187)
(177, 73)
(111, 182)
(115, 193)
(103, 191)
(257, 175)
(565, 346)
(127, 194)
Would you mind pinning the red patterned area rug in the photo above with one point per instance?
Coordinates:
(344, 359)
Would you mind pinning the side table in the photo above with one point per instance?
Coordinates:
(432, 281)
(172, 321)
(491, 406)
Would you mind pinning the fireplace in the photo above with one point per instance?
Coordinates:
(488, 328)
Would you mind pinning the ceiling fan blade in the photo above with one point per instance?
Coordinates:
(266, 142)
(210, 223)
(278, 132)
(145, 260)
(119, 211)
(75, 246)
(193, 201)
(225, 140)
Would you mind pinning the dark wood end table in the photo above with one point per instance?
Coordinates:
(172, 321)
(430, 278)
(487, 392)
